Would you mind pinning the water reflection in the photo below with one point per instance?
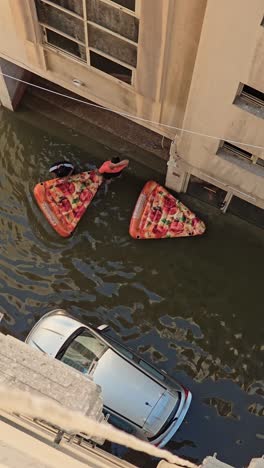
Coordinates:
(192, 306)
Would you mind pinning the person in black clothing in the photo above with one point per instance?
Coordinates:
(62, 169)
(115, 163)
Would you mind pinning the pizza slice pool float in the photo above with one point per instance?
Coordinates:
(159, 215)
(64, 201)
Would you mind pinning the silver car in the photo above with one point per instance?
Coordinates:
(138, 398)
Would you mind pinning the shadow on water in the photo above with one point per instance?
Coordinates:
(194, 307)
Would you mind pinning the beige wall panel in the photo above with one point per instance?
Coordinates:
(183, 33)
(152, 32)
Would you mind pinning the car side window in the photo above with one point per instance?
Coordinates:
(82, 351)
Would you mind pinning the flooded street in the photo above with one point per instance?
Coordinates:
(192, 306)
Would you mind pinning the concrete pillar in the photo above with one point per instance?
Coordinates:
(11, 91)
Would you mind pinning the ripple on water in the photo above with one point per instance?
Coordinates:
(191, 306)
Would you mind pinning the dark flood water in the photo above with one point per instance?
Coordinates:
(193, 306)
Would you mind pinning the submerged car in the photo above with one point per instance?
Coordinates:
(137, 397)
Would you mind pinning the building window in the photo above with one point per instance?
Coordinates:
(60, 21)
(252, 95)
(129, 4)
(247, 211)
(251, 100)
(234, 151)
(108, 66)
(113, 46)
(242, 158)
(102, 33)
(64, 43)
(206, 191)
(113, 19)
(76, 6)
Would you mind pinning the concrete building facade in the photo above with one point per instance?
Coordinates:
(115, 53)
(226, 100)
(195, 64)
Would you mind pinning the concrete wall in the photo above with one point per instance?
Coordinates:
(30, 370)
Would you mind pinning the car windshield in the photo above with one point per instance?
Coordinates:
(83, 351)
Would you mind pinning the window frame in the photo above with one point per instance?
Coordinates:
(249, 97)
(240, 153)
(249, 102)
(123, 7)
(236, 151)
(259, 164)
(43, 27)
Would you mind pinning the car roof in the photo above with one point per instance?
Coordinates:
(126, 389)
